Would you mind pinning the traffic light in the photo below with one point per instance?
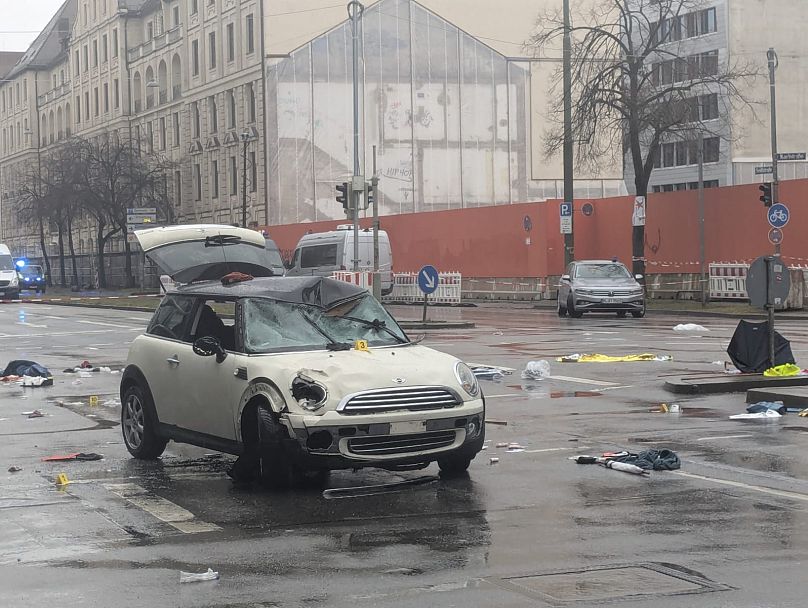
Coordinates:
(342, 195)
(766, 197)
(370, 194)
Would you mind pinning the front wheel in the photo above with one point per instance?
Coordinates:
(639, 314)
(139, 425)
(452, 466)
(562, 310)
(575, 314)
(621, 314)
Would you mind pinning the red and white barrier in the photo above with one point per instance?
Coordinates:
(728, 281)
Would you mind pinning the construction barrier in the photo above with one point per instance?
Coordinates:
(405, 288)
(728, 281)
(360, 279)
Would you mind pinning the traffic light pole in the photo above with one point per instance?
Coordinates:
(374, 181)
(569, 239)
(772, 57)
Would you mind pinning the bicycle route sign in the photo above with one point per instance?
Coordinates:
(778, 215)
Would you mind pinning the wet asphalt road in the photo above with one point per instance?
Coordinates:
(535, 529)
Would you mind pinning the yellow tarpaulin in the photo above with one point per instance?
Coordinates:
(595, 358)
(787, 369)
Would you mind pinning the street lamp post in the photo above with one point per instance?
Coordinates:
(245, 138)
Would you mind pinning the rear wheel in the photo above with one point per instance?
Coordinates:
(139, 424)
(575, 314)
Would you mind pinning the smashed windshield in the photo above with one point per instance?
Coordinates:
(272, 326)
(601, 271)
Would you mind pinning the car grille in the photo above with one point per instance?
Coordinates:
(413, 398)
(4, 283)
(611, 293)
(388, 445)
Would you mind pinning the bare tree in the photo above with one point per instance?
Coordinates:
(636, 86)
(118, 176)
(34, 209)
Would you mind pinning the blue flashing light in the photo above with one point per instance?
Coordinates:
(20, 263)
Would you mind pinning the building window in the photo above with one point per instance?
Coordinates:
(195, 126)
(87, 105)
(708, 63)
(231, 43)
(86, 57)
(116, 93)
(712, 146)
(212, 47)
(106, 98)
(213, 114)
(149, 30)
(115, 43)
(178, 188)
(250, 103)
(231, 110)
(162, 133)
(668, 155)
(150, 135)
(78, 109)
(197, 182)
(104, 49)
(96, 105)
(195, 57)
(95, 53)
(214, 178)
(175, 16)
(194, 11)
(77, 67)
(233, 175)
(176, 127)
(250, 34)
(682, 150)
(253, 173)
(709, 106)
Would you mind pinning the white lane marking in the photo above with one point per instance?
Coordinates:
(724, 437)
(614, 388)
(745, 486)
(64, 333)
(583, 380)
(164, 510)
(103, 324)
(31, 324)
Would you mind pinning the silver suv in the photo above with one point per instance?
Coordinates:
(600, 286)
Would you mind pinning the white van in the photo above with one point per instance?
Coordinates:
(325, 252)
(9, 279)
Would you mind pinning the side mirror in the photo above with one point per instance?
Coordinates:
(207, 346)
(639, 277)
(565, 277)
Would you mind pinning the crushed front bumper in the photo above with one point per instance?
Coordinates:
(395, 439)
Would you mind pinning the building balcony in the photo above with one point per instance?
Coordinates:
(155, 44)
(60, 91)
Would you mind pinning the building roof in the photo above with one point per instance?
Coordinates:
(48, 45)
(8, 60)
(141, 6)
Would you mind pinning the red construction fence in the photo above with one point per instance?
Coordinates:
(523, 240)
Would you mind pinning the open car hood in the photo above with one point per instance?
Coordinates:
(205, 252)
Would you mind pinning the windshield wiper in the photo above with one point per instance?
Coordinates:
(378, 325)
(332, 344)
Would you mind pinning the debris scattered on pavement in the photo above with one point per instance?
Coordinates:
(62, 480)
(405, 571)
(191, 577)
(498, 333)
(493, 460)
(76, 382)
(27, 373)
(112, 403)
(611, 464)
(34, 414)
(85, 375)
(691, 327)
(803, 413)
(85, 364)
(536, 370)
(501, 444)
(783, 371)
(490, 372)
(13, 469)
(767, 415)
(673, 408)
(598, 358)
(497, 422)
(637, 464)
(82, 456)
(749, 348)
(384, 488)
(762, 406)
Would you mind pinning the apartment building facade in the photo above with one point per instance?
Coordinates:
(181, 78)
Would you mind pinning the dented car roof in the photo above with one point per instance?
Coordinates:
(321, 292)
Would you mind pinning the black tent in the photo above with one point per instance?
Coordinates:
(749, 348)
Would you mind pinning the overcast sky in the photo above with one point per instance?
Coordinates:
(19, 17)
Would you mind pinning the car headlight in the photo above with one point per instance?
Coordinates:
(583, 292)
(14, 282)
(467, 379)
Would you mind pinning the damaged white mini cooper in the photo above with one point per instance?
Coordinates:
(297, 376)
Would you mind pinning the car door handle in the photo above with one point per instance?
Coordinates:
(173, 360)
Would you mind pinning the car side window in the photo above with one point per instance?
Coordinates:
(216, 318)
(319, 255)
(172, 319)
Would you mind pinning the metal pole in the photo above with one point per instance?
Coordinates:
(773, 62)
(569, 239)
(770, 306)
(374, 184)
(355, 13)
(245, 137)
(702, 260)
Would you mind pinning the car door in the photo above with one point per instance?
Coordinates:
(167, 342)
(210, 389)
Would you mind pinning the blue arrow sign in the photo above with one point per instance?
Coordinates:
(428, 279)
(778, 215)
